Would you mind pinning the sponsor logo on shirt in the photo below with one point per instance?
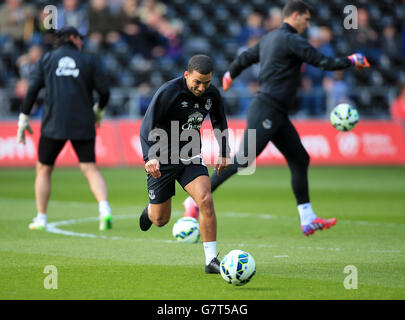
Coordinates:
(67, 68)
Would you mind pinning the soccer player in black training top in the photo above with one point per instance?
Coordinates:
(175, 115)
(69, 78)
(281, 54)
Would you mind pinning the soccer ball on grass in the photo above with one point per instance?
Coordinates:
(238, 267)
(344, 117)
(186, 230)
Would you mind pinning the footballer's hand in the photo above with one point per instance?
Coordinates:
(153, 168)
(22, 126)
(221, 164)
(359, 61)
(226, 81)
(98, 114)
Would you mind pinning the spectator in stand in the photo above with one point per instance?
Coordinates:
(25, 62)
(20, 92)
(365, 38)
(336, 89)
(247, 84)
(72, 14)
(391, 43)
(253, 28)
(100, 31)
(16, 21)
(148, 8)
(397, 108)
(313, 95)
(139, 36)
(274, 19)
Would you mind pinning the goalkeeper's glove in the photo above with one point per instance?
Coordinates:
(98, 114)
(359, 61)
(22, 126)
(226, 81)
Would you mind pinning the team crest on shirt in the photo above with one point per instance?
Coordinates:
(152, 194)
(267, 123)
(208, 104)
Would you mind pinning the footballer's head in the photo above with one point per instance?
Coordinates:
(198, 74)
(297, 13)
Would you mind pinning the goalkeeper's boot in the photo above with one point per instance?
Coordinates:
(191, 208)
(144, 221)
(213, 266)
(105, 222)
(37, 224)
(317, 224)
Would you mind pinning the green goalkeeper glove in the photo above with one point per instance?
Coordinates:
(98, 114)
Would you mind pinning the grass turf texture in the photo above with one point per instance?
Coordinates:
(255, 213)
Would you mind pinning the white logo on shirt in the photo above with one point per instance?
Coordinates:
(67, 67)
(184, 104)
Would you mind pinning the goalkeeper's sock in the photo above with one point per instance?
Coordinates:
(210, 250)
(307, 215)
(104, 208)
(41, 217)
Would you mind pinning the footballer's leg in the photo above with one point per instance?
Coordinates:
(200, 190)
(160, 191)
(159, 214)
(288, 142)
(85, 150)
(48, 150)
(42, 194)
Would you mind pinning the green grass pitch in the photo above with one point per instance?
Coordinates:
(255, 213)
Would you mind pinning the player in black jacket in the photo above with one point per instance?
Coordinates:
(281, 54)
(69, 78)
(171, 145)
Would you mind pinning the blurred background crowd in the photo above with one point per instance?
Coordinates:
(143, 43)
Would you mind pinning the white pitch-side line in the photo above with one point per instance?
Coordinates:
(265, 216)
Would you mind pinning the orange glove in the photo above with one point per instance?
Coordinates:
(359, 61)
(226, 81)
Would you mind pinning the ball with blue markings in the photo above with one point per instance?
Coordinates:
(238, 267)
(186, 230)
(344, 117)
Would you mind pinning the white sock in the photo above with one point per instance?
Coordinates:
(104, 208)
(41, 217)
(307, 215)
(210, 250)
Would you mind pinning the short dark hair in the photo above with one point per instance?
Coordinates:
(296, 5)
(201, 63)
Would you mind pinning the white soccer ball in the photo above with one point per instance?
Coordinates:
(238, 267)
(186, 230)
(344, 117)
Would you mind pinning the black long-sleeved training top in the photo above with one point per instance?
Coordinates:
(175, 107)
(69, 77)
(281, 53)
